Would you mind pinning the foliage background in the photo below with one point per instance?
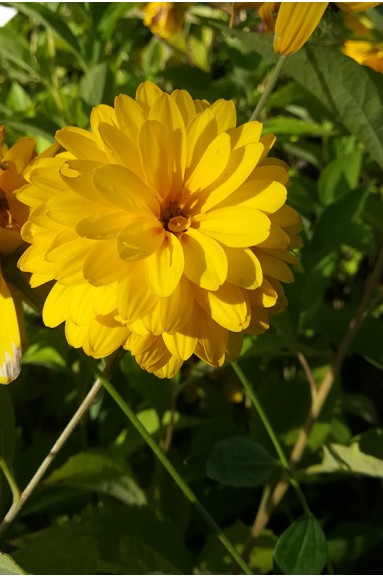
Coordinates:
(107, 505)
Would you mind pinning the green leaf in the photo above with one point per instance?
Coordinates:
(293, 126)
(45, 356)
(348, 541)
(240, 462)
(7, 427)
(301, 549)
(8, 566)
(339, 177)
(92, 85)
(58, 550)
(349, 460)
(18, 99)
(45, 16)
(99, 472)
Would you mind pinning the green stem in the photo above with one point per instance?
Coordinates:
(11, 481)
(269, 87)
(171, 470)
(268, 427)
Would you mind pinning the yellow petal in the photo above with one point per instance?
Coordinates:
(129, 116)
(259, 322)
(56, 305)
(176, 310)
(123, 150)
(10, 340)
(142, 237)
(225, 114)
(78, 176)
(102, 226)
(247, 133)
(185, 105)
(147, 94)
(356, 6)
(21, 154)
(179, 345)
(274, 267)
(228, 306)
(296, 21)
(80, 143)
(201, 131)
(266, 196)
(264, 296)
(155, 160)
(134, 297)
(212, 164)
(244, 269)
(240, 166)
(121, 187)
(205, 260)
(103, 264)
(277, 239)
(212, 343)
(165, 267)
(234, 226)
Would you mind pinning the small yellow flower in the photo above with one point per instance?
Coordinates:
(165, 18)
(296, 21)
(165, 228)
(14, 163)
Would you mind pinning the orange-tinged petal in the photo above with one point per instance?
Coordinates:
(205, 260)
(234, 226)
(21, 153)
(165, 267)
(296, 21)
(274, 267)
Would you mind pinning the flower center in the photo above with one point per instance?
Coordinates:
(173, 218)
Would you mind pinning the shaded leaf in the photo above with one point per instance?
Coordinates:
(99, 472)
(301, 549)
(92, 85)
(7, 427)
(240, 462)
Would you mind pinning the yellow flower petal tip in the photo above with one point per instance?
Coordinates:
(165, 228)
(296, 21)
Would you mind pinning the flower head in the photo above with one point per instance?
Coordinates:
(14, 163)
(165, 18)
(364, 49)
(165, 228)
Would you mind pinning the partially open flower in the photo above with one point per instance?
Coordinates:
(14, 162)
(165, 18)
(165, 228)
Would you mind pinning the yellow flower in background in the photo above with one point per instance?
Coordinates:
(14, 163)
(165, 228)
(165, 18)
(296, 21)
(364, 50)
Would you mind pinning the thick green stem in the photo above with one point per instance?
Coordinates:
(171, 470)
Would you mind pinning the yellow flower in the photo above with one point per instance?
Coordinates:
(14, 163)
(296, 21)
(165, 18)
(165, 228)
(13, 214)
(364, 50)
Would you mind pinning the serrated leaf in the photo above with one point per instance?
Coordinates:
(339, 459)
(8, 566)
(302, 548)
(102, 473)
(240, 462)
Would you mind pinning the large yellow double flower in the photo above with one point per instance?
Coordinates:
(165, 228)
